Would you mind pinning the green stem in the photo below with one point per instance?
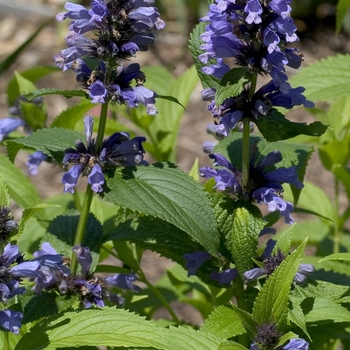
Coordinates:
(246, 139)
(241, 303)
(159, 295)
(84, 214)
(337, 232)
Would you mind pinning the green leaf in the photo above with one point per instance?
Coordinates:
(232, 84)
(334, 153)
(208, 81)
(337, 256)
(325, 79)
(20, 188)
(247, 320)
(243, 239)
(223, 323)
(24, 85)
(171, 99)
(52, 142)
(296, 315)
(194, 172)
(230, 345)
(343, 175)
(35, 116)
(69, 117)
(276, 127)
(53, 91)
(342, 10)
(164, 128)
(27, 214)
(168, 194)
(9, 60)
(31, 74)
(325, 309)
(112, 327)
(284, 242)
(4, 193)
(271, 304)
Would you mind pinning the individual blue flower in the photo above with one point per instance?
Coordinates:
(33, 162)
(7, 125)
(264, 185)
(117, 150)
(195, 260)
(271, 260)
(10, 320)
(295, 344)
(224, 277)
(123, 281)
(97, 92)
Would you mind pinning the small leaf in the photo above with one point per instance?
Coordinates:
(296, 315)
(168, 194)
(342, 10)
(243, 240)
(34, 116)
(223, 323)
(208, 81)
(232, 84)
(271, 304)
(246, 319)
(4, 194)
(194, 172)
(284, 242)
(19, 186)
(27, 213)
(276, 127)
(52, 91)
(171, 99)
(69, 117)
(337, 256)
(52, 142)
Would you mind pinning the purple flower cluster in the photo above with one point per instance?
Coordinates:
(90, 289)
(268, 335)
(271, 261)
(121, 28)
(263, 186)
(117, 150)
(253, 32)
(260, 105)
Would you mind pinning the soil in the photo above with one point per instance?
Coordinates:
(18, 19)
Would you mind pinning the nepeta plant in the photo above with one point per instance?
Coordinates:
(57, 290)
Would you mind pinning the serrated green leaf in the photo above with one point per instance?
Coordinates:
(284, 242)
(224, 323)
(271, 304)
(25, 86)
(4, 194)
(169, 194)
(342, 10)
(27, 214)
(246, 319)
(208, 81)
(243, 239)
(10, 59)
(230, 345)
(232, 84)
(69, 117)
(275, 127)
(52, 91)
(112, 327)
(337, 256)
(325, 79)
(35, 116)
(296, 315)
(20, 188)
(194, 172)
(325, 309)
(52, 142)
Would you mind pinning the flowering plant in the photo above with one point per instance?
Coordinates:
(71, 267)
